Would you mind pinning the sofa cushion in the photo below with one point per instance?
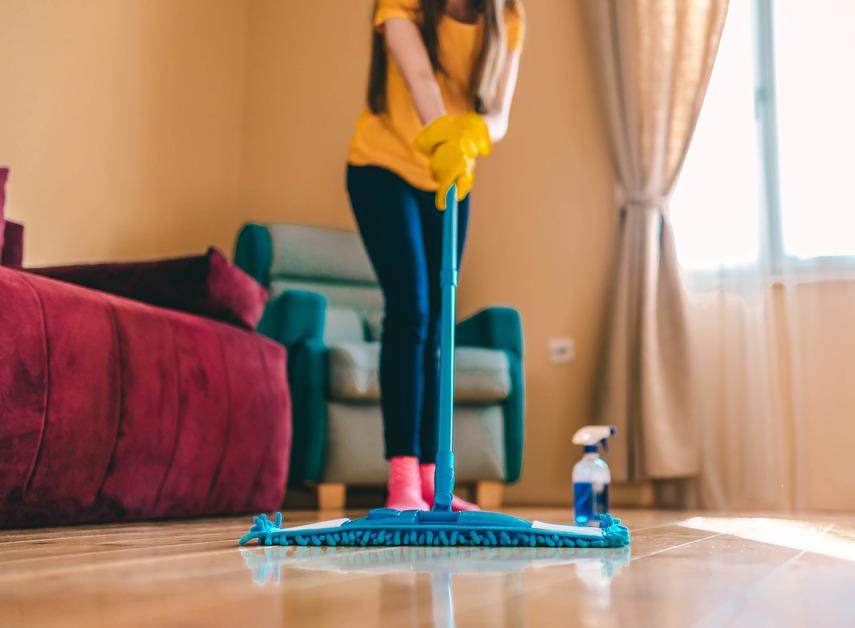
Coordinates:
(13, 245)
(4, 173)
(480, 375)
(208, 285)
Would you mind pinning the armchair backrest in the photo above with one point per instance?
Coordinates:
(331, 262)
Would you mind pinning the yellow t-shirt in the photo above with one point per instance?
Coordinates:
(386, 140)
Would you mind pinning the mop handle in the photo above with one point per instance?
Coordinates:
(444, 476)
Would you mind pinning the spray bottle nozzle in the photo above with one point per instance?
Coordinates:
(592, 436)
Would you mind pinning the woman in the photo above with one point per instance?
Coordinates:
(440, 87)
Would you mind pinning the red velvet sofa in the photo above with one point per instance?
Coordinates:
(114, 409)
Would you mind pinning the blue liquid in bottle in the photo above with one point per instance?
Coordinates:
(590, 501)
(591, 479)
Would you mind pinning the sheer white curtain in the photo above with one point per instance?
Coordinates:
(764, 221)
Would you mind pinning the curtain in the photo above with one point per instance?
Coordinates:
(745, 405)
(771, 343)
(775, 360)
(654, 59)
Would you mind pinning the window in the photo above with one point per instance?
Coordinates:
(768, 180)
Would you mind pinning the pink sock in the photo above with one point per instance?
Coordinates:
(426, 472)
(404, 490)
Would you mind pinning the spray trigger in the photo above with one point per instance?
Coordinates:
(594, 435)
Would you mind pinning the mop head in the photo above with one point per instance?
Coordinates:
(386, 526)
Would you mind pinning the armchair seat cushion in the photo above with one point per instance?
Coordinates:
(481, 376)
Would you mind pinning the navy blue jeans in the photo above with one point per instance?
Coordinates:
(402, 232)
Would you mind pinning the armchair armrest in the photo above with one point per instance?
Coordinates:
(293, 317)
(501, 328)
(307, 367)
(494, 327)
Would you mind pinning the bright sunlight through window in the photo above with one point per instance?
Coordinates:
(724, 217)
(814, 52)
(715, 207)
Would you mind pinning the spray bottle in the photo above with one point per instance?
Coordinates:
(591, 476)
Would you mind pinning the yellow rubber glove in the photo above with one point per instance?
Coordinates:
(452, 145)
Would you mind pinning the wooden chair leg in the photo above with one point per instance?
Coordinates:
(331, 496)
(488, 495)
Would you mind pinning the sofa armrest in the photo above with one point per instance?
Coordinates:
(501, 328)
(207, 285)
(294, 317)
(493, 327)
(309, 374)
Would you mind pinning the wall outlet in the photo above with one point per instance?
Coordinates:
(561, 350)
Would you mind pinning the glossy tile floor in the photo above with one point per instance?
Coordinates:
(682, 570)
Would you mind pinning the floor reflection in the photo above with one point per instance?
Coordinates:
(595, 568)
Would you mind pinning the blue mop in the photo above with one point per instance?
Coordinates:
(441, 526)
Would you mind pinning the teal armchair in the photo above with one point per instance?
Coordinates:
(326, 307)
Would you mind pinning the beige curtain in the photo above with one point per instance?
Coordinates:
(654, 59)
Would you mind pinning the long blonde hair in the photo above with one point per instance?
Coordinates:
(484, 82)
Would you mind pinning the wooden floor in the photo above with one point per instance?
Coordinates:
(682, 570)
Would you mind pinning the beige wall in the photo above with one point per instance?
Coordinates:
(121, 122)
(152, 127)
(542, 225)
(306, 66)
